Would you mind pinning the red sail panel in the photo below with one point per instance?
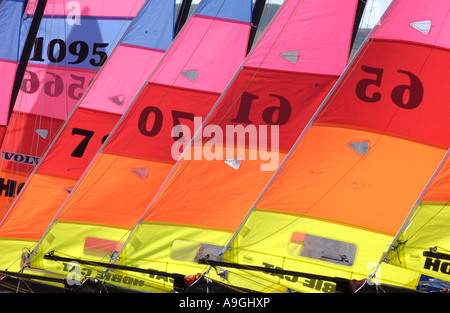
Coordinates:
(354, 175)
(256, 121)
(74, 40)
(93, 119)
(275, 97)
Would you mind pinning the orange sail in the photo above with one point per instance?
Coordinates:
(280, 85)
(135, 159)
(93, 117)
(74, 40)
(354, 174)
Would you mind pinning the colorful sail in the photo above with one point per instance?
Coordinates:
(125, 174)
(113, 89)
(422, 244)
(11, 13)
(73, 41)
(355, 173)
(280, 85)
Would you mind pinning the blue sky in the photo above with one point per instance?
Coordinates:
(374, 10)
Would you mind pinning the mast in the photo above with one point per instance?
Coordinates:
(359, 13)
(182, 15)
(256, 18)
(28, 47)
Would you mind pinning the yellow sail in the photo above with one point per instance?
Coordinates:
(353, 176)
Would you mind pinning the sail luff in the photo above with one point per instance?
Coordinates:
(358, 17)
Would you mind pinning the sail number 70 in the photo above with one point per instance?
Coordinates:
(273, 115)
(405, 96)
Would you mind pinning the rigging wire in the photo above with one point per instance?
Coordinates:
(21, 115)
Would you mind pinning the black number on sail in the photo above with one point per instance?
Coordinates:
(412, 92)
(80, 49)
(157, 122)
(81, 148)
(57, 51)
(404, 96)
(177, 116)
(56, 47)
(363, 84)
(54, 86)
(282, 111)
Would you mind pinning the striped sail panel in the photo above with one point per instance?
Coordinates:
(422, 244)
(68, 52)
(211, 190)
(354, 175)
(135, 160)
(10, 22)
(89, 124)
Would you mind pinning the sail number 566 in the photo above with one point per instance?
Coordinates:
(405, 96)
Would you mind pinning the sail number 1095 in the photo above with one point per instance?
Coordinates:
(57, 50)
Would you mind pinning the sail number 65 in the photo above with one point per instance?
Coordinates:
(405, 96)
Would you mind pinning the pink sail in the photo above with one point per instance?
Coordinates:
(93, 118)
(212, 43)
(73, 42)
(10, 36)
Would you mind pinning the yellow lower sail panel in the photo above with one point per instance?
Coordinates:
(427, 233)
(91, 243)
(11, 253)
(178, 249)
(312, 246)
